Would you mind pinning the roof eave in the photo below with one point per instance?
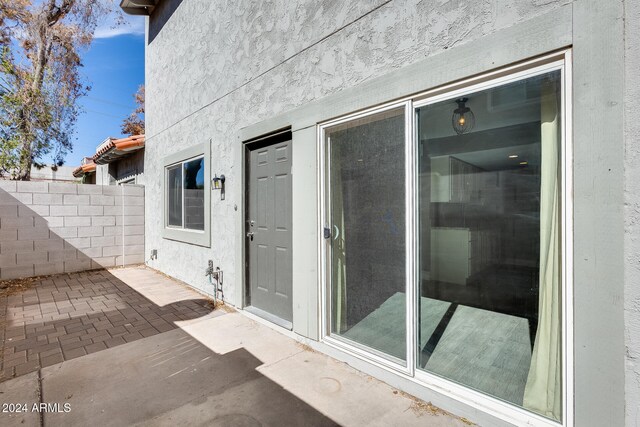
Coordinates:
(119, 148)
(78, 172)
(103, 158)
(82, 170)
(138, 7)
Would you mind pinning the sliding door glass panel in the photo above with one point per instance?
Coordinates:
(367, 217)
(174, 195)
(489, 307)
(194, 194)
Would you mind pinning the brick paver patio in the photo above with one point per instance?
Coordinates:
(70, 315)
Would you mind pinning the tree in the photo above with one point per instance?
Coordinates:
(40, 81)
(10, 11)
(134, 124)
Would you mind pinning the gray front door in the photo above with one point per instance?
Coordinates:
(268, 228)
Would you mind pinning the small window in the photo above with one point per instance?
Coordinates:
(186, 196)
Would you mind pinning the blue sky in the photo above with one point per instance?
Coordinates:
(114, 67)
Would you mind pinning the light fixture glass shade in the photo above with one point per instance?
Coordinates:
(463, 119)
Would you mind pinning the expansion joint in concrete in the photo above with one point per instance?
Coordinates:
(40, 398)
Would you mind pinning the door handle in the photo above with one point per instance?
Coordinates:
(250, 235)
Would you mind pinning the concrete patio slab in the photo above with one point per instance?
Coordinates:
(144, 380)
(23, 390)
(313, 377)
(265, 343)
(322, 381)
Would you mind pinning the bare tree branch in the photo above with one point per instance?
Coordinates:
(134, 124)
(39, 92)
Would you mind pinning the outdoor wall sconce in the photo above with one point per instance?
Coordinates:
(217, 183)
(463, 118)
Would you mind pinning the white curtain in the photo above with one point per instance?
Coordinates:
(543, 390)
(338, 246)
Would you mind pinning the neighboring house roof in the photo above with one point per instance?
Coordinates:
(112, 149)
(87, 166)
(109, 150)
(138, 7)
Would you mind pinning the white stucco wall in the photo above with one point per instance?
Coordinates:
(216, 67)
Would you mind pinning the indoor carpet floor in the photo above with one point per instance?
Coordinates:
(481, 349)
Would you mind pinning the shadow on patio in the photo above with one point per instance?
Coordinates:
(133, 347)
(90, 321)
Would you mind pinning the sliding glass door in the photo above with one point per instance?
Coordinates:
(444, 236)
(366, 183)
(489, 243)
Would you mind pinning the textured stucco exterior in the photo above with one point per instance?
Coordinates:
(222, 72)
(216, 67)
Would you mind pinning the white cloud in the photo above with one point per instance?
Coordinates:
(108, 28)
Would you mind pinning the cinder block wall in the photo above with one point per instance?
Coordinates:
(52, 227)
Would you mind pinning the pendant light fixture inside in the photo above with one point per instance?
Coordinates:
(463, 119)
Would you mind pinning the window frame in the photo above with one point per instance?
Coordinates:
(362, 350)
(506, 411)
(181, 234)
